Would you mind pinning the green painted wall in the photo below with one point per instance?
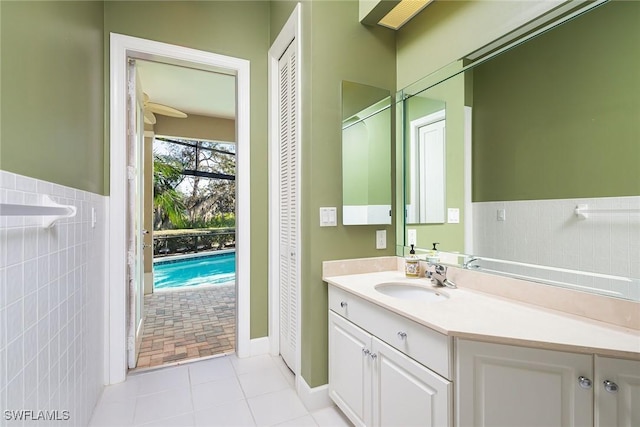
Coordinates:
(448, 30)
(336, 47)
(238, 29)
(51, 82)
(559, 117)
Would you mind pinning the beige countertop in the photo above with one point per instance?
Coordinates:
(480, 316)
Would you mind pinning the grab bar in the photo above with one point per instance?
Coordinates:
(49, 210)
(583, 211)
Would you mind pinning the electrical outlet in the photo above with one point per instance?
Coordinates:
(381, 239)
(412, 237)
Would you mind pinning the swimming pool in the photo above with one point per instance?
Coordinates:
(203, 270)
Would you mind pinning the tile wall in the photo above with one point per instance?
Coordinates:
(52, 292)
(548, 232)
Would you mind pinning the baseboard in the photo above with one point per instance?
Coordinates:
(259, 346)
(313, 398)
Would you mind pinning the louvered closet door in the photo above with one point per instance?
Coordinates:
(289, 209)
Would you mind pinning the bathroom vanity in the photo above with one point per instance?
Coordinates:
(445, 357)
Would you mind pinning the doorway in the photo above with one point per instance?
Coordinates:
(122, 49)
(189, 312)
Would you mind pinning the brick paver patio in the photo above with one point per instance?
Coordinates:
(188, 324)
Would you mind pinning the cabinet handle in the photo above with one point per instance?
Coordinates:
(343, 304)
(402, 335)
(373, 356)
(610, 386)
(365, 351)
(584, 382)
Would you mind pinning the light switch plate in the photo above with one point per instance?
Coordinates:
(381, 239)
(453, 216)
(328, 217)
(501, 215)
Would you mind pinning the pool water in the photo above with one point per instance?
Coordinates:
(204, 270)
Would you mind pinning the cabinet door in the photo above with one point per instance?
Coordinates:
(349, 369)
(618, 401)
(405, 393)
(501, 385)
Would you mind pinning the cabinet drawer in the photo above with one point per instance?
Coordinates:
(422, 344)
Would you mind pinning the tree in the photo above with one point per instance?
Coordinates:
(208, 202)
(168, 202)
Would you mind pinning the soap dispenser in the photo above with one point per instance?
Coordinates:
(433, 256)
(411, 264)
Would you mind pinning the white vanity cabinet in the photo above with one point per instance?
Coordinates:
(503, 385)
(617, 392)
(377, 384)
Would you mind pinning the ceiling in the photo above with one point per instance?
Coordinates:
(196, 92)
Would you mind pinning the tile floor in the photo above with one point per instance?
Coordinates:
(221, 391)
(188, 324)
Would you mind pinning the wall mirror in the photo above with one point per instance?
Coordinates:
(366, 149)
(549, 130)
(426, 134)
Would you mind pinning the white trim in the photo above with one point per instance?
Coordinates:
(106, 294)
(313, 398)
(290, 32)
(468, 205)
(366, 214)
(259, 346)
(123, 47)
(413, 211)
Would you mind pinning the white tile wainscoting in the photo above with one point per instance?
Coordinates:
(52, 292)
(548, 232)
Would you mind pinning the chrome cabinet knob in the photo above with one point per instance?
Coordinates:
(365, 351)
(373, 356)
(343, 304)
(610, 386)
(402, 335)
(584, 382)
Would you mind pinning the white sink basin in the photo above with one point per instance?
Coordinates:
(408, 291)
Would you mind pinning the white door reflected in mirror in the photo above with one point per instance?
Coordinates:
(427, 168)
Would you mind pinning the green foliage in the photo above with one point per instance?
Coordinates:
(221, 220)
(187, 202)
(169, 206)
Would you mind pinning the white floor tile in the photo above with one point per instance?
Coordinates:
(161, 379)
(273, 408)
(109, 414)
(166, 404)
(216, 393)
(211, 370)
(252, 364)
(225, 391)
(288, 374)
(122, 392)
(232, 414)
(331, 417)
(261, 382)
(184, 420)
(306, 421)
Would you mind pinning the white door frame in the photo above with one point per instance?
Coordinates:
(289, 33)
(123, 47)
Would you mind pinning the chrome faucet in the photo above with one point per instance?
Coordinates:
(467, 265)
(438, 276)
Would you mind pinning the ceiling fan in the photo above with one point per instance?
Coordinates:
(152, 108)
